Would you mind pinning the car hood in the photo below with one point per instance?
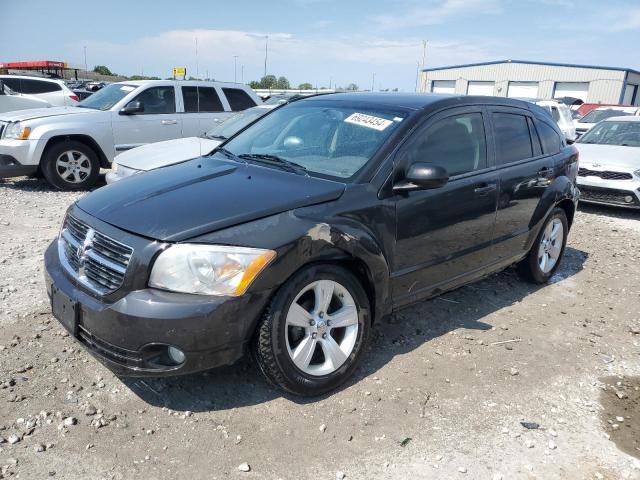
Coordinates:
(161, 154)
(203, 195)
(34, 113)
(607, 156)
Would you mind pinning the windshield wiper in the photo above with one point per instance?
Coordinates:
(215, 137)
(275, 160)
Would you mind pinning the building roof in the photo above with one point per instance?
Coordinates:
(549, 64)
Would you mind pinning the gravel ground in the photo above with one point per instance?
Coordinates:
(442, 393)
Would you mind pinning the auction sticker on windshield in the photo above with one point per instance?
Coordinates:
(368, 121)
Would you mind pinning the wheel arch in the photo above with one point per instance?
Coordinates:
(85, 139)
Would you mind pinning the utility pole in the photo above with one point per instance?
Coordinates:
(424, 55)
(85, 61)
(373, 82)
(242, 73)
(235, 69)
(266, 53)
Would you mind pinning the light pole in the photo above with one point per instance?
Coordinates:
(242, 73)
(266, 53)
(235, 69)
(373, 82)
(85, 61)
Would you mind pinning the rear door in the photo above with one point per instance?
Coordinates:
(525, 172)
(159, 121)
(445, 233)
(203, 109)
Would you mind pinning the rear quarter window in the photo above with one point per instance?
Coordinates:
(238, 99)
(30, 86)
(201, 99)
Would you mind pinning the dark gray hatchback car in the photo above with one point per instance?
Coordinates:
(299, 232)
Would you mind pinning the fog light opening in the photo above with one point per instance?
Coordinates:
(628, 199)
(176, 355)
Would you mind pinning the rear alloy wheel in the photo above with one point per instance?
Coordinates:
(546, 253)
(71, 166)
(313, 333)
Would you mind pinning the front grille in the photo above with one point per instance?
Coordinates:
(608, 195)
(605, 175)
(117, 354)
(96, 260)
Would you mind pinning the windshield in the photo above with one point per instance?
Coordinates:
(614, 133)
(107, 97)
(236, 123)
(594, 116)
(328, 138)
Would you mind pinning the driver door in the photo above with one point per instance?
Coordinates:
(158, 121)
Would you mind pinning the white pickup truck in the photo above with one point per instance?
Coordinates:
(69, 145)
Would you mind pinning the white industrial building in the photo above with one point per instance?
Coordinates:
(518, 78)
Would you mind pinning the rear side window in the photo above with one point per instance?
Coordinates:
(551, 142)
(201, 99)
(238, 99)
(456, 143)
(30, 86)
(513, 140)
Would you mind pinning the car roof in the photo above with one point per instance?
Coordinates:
(186, 83)
(33, 77)
(623, 119)
(620, 108)
(415, 101)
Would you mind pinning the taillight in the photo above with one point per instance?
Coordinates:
(74, 97)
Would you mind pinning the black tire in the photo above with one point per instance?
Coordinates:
(77, 180)
(530, 268)
(270, 347)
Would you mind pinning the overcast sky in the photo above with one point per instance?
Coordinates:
(319, 41)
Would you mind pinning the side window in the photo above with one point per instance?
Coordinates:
(535, 138)
(551, 141)
(513, 142)
(238, 99)
(157, 100)
(29, 86)
(456, 143)
(201, 99)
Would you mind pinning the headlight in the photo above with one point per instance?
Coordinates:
(122, 172)
(208, 269)
(637, 173)
(15, 131)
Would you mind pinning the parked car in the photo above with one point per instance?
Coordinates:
(598, 114)
(11, 101)
(561, 114)
(587, 107)
(161, 154)
(70, 145)
(94, 86)
(303, 229)
(610, 163)
(52, 91)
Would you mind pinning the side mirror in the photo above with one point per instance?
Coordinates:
(423, 176)
(132, 108)
(570, 141)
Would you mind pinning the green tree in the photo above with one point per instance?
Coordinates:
(269, 81)
(102, 70)
(254, 84)
(305, 86)
(353, 86)
(283, 83)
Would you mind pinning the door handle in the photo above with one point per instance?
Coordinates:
(169, 122)
(545, 172)
(485, 189)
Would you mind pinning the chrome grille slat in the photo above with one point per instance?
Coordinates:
(104, 261)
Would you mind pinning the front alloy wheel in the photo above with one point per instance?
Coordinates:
(314, 331)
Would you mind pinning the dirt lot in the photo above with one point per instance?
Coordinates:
(441, 394)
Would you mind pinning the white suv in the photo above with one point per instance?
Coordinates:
(55, 92)
(69, 145)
